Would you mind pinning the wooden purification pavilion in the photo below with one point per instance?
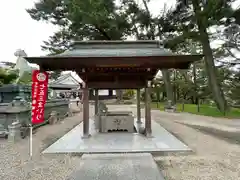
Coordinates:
(116, 65)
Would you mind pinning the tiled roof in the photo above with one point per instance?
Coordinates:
(131, 52)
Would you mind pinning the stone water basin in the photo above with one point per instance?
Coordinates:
(117, 121)
(119, 113)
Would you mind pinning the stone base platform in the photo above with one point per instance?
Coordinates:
(139, 166)
(117, 142)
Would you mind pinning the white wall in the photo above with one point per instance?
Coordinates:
(104, 92)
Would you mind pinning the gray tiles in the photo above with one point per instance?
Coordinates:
(117, 167)
(72, 142)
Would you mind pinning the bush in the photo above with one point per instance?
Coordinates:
(128, 94)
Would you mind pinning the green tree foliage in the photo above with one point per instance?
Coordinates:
(128, 94)
(81, 20)
(180, 28)
(54, 75)
(192, 20)
(233, 88)
(7, 76)
(93, 20)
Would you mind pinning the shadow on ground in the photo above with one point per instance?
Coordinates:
(231, 137)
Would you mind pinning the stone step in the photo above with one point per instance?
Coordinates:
(139, 166)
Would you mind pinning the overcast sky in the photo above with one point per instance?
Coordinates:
(19, 31)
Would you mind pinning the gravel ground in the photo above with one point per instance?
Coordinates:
(216, 153)
(214, 158)
(16, 164)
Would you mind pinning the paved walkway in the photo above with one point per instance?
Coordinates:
(142, 166)
(205, 121)
(117, 166)
(162, 141)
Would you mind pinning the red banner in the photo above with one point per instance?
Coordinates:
(39, 95)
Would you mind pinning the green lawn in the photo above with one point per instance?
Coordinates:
(205, 110)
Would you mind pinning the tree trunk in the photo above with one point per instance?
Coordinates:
(192, 100)
(209, 61)
(212, 75)
(163, 96)
(168, 85)
(174, 86)
(119, 95)
(195, 83)
(178, 94)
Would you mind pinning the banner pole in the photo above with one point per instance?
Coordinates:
(39, 96)
(30, 141)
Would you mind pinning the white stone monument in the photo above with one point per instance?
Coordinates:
(25, 70)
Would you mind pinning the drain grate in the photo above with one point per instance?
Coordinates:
(117, 130)
(122, 130)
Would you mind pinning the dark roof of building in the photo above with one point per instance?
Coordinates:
(115, 49)
(89, 53)
(115, 61)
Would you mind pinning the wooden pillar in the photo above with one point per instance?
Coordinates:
(96, 101)
(138, 107)
(148, 123)
(86, 111)
(110, 92)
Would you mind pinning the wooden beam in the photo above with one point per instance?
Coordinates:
(112, 79)
(77, 63)
(116, 71)
(148, 121)
(138, 106)
(96, 101)
(85, 111)
(119, 74)
(117, 85)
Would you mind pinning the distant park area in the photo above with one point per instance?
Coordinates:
(203, 109)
